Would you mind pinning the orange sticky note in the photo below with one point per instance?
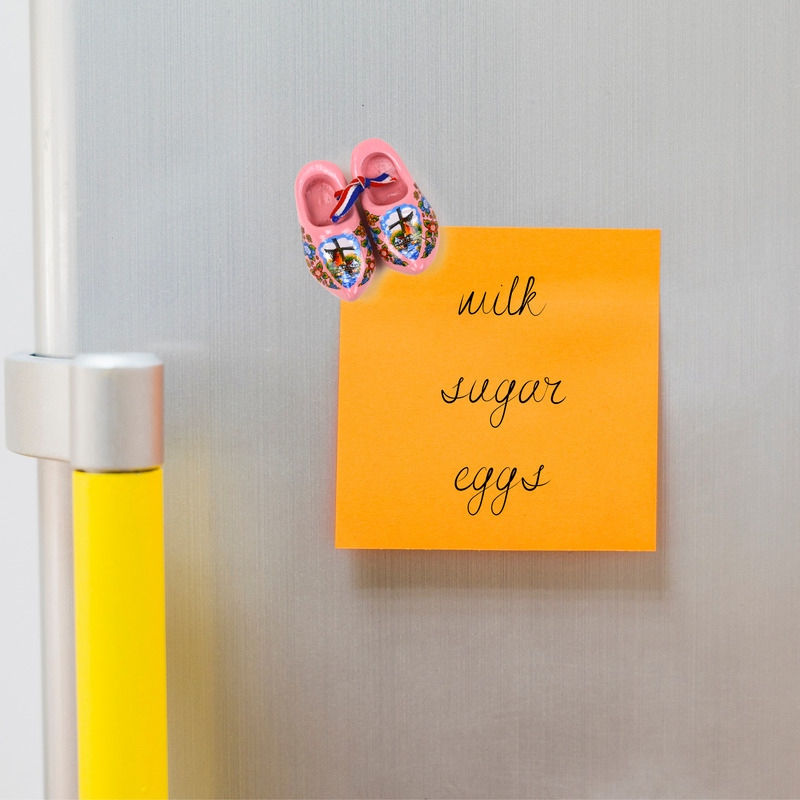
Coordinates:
(506, 398)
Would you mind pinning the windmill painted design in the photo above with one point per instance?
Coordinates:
(341, 256)
(403, 230)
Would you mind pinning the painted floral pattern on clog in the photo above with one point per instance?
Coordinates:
(377, 236)
(428, 220)
(365, 246)
(313, 262)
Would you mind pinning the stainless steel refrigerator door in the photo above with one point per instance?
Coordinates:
(299, 671)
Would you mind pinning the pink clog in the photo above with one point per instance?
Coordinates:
(401, 220)
(338, 254)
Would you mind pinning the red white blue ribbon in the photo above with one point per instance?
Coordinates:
(350, 193)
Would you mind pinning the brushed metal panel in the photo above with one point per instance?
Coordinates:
(299, 671)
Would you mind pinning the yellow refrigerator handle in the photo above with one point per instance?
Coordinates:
(120, 637)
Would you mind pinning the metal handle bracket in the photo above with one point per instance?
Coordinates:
(102, 412)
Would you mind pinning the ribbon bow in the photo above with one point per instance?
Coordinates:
(350, 193)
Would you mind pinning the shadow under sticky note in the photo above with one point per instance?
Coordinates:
(506, 398)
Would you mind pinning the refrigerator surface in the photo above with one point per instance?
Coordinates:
(296, 670)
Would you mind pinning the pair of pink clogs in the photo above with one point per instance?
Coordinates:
(336, 244)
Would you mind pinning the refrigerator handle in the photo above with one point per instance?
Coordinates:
(104, 414)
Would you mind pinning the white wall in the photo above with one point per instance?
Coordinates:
(20, 671)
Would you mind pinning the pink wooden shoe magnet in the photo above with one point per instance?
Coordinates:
(337, 253)
(401, 220)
